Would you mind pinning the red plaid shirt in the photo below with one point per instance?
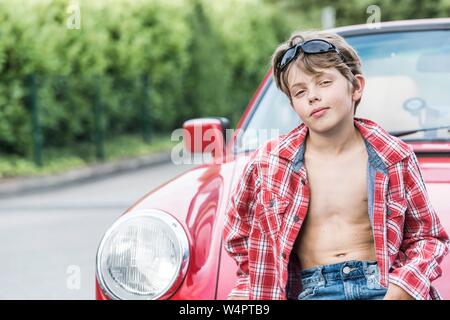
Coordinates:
(270, 203)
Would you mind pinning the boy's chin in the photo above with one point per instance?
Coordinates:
(328, 124)
(323, 126)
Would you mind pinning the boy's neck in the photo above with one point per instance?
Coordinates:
(343, 137)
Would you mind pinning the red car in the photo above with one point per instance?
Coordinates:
(168, 244)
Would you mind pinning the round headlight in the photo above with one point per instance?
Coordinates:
(144, 255)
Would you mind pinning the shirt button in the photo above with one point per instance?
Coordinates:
(283, 255)
(303, 181)
(272, 202)
(296, 219)
(346, 270)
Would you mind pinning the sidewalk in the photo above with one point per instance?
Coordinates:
(22, 185)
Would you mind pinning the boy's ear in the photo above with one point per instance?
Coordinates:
(358, 91)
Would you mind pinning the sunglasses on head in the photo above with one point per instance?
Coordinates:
(312, 46)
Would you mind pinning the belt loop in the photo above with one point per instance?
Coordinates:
(365, 266)
(323, 282)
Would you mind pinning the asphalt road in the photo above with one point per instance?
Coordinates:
(48, 240)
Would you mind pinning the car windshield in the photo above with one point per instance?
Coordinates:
(407, 77)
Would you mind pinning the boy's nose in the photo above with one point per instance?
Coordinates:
(313, 97)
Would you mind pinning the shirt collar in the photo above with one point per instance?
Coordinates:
(383, 149)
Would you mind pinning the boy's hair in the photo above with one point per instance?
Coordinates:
(310, 63)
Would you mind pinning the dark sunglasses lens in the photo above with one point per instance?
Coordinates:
(287, 57)
(317, 46)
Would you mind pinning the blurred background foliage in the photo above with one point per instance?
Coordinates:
(201, 58)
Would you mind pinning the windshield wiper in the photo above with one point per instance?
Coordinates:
(408, 132)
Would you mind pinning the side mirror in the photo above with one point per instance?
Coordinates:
(206, 135)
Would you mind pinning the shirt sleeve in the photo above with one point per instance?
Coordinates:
(425, 242)
(238, 220)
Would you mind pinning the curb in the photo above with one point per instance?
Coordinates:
(19, 186)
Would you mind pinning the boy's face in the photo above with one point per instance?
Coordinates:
(327, 89)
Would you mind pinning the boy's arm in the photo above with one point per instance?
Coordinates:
(238, 221)
(425, 242)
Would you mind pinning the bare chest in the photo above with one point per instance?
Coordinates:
(338, 186)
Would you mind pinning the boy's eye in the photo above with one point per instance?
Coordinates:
(325, 82)
(299, 93)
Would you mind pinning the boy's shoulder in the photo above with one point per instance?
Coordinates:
(284, 146)
(390, 149)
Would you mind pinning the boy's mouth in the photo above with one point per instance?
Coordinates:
(318, 110)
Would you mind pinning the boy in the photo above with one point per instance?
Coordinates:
(337, 208)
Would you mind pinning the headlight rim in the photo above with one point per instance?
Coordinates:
(183, 243)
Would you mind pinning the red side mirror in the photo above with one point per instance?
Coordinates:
(205, 135)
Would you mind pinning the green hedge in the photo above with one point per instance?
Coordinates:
(202, 58)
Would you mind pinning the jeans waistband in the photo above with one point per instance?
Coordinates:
(339, 271)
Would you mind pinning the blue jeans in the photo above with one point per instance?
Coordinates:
(350, 280)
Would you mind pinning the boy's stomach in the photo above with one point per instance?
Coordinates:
(334, 242)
